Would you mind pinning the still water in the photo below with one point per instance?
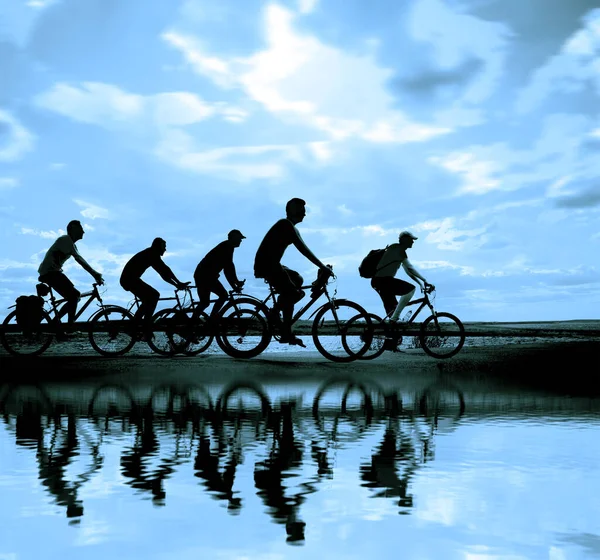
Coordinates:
(429, 467)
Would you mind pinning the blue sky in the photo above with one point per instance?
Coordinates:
(473, 123)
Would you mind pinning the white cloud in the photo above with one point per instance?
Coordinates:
(109, 106)
(7, 183)
(240, 163)
(8, 264)
(92, 211)
(41, 233)
(446, 236)
(576, 64)
(41, 4)
(298, 77)
(307, 6)
(17, 140)
(477, 175)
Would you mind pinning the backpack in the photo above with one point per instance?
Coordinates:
(368, 266)
(29, 312)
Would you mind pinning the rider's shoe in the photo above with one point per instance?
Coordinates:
(292, 340)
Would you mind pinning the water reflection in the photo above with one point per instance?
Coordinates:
(288, 441)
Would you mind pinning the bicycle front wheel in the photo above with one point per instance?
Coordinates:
(111, 333)
(243, 331)
(168, 326)
(377, 328)
(342, 331)
(442, 335)
(20, 343)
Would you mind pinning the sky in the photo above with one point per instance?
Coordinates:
(472, 123)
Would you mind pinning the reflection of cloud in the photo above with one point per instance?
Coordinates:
(15, 139)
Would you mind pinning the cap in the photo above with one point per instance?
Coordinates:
(236, 233)
(406, 233)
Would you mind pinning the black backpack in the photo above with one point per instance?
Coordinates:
(29, 312)
(368, 266)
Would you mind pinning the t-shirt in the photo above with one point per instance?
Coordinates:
(391, 261)
(140, 262)
(57, 255)
(216, 260)
(273, 246)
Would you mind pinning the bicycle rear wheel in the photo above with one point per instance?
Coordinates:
(32, 343)
(338, 339)
(442, 335)
(243, 331)
(186, 334)
(111, 333)
(167, 328)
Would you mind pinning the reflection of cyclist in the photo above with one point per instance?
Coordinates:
(389, 287)
(51, 272)
(267, 264)
(206, 276)
(132, 282)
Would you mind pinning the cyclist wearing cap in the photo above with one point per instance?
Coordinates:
(131, 280)
(206, 275)
(286, 282)
(51, 273)
(388, 287)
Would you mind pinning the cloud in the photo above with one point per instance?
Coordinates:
(446, 236)
(7, 183)
(299, 78)
(92, 211)
(43, 234)
(15, 139)
(239, 163)
(109, 106)
(569, 71)
(307, 6)
(587, 198)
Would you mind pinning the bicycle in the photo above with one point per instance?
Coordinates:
(40, 337)
(245, 332)
(441, 335)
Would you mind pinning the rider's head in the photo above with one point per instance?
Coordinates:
(75, 230)
(159, 245)
(295, 210)
(406, 239)
(235, 236)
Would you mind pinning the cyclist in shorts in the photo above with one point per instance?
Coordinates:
(206, 276)
(131, 281)
(388, 287)
(286, 282)
(51, 272)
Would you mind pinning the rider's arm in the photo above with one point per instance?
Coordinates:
(413, 272)
(166, 273)
(230, 274)
(75, 253)
(304, 250)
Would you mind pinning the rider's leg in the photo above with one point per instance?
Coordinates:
(204, 288)
(149, 300)
(406, 291)
(65, 288)
(383, 287)
(287, 284)
(221, 293)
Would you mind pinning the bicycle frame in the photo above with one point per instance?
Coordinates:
(92, 295)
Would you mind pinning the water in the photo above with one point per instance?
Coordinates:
(420, 467)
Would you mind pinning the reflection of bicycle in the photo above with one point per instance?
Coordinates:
(38, 339)
(441, 335)
(249, 324)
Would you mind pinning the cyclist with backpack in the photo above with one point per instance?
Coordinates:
(383, 279)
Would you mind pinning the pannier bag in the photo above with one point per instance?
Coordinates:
(29, 312)
(368, 266)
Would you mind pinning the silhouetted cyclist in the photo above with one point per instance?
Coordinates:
(217, 260)
(389, 287)
(51, 273)
(286, 282)
(132, 282)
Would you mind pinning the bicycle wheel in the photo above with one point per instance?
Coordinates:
(186, 335)
(18, 343)
(108, 334)
(377, 345)
(167, 326)
(335, 337)
(442, 335)
(243, 331)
